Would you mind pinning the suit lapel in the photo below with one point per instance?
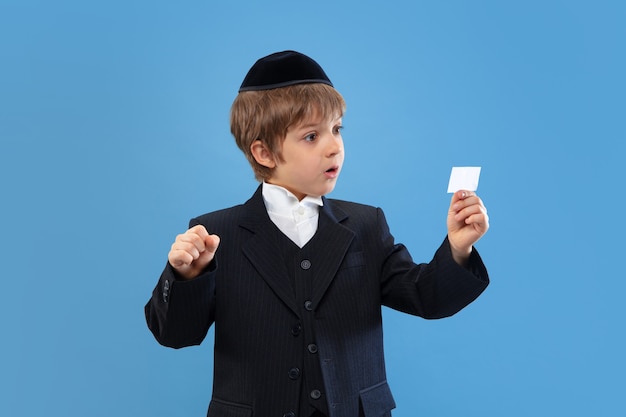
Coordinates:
(332, 241)
(262, 250)
(329, 247)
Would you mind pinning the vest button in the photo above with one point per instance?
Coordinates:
(305, 264)
(308, 305)
(296, 329)
(316, 394)
(312, 348)
(294, 373)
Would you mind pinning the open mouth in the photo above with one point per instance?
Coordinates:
(332, 172)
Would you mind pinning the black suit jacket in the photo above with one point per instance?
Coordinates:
(355, 266)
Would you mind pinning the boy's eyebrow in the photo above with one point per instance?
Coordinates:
(315, 124)
(308, 126)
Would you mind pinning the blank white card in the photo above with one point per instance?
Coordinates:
(464, 178)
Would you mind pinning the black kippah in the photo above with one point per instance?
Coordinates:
(282, 69)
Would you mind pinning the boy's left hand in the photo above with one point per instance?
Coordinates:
(467, 222)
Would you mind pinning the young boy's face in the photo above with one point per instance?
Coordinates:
(312, 156)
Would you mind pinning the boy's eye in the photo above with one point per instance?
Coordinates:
(338, 129)
(310, 137)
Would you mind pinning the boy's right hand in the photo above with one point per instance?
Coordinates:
(193, 251)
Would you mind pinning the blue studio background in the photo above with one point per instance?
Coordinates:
(114, 132)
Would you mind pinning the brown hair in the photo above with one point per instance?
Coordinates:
(267, 115)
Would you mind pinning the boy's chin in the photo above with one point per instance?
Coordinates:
(328, 190)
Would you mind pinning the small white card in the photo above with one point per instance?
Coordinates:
(464, 178)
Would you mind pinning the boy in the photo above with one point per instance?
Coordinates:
(294, 282)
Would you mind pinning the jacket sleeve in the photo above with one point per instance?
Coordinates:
(179, 313)
(434, 290)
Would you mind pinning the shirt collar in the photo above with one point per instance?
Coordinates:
(280, 200)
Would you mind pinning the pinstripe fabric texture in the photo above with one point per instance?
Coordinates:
(247, 293)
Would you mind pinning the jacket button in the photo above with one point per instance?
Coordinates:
(312, 348)
(289, 414)
(308, 305)
(316, 394)
(296, 329)
(166, 291)
(306, 264)
(294, 373)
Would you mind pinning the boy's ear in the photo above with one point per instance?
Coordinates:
(262, 155)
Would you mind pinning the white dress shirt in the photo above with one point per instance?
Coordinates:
(296, 219)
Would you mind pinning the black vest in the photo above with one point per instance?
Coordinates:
(301, 263)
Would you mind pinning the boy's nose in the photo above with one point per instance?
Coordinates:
(335, 146)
